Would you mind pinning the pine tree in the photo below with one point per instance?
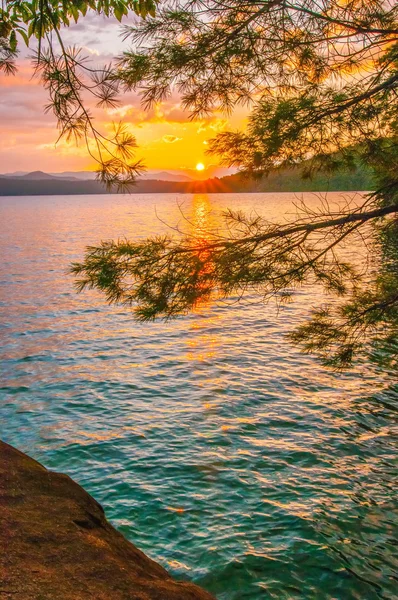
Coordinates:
(321, 79)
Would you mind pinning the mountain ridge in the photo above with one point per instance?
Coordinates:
(91, 175)
(286, 180)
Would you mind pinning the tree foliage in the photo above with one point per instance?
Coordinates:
(321, 80)
(70, 79)
(167, 276)
(321, 76)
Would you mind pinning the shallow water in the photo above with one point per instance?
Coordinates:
(213, 444)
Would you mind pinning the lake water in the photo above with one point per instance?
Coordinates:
(213, 444)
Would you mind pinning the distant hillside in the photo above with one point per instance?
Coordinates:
(37, 176)
(287, 180)
(47, 187)
(80, 175)
(91, 175)
(166, 176)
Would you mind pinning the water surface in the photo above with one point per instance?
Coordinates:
(213, 444)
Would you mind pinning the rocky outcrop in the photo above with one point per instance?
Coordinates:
(56, 543)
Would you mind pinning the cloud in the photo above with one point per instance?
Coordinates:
(166, 112)
(171, 139)
(28, 134)
(92, 51)
(214, 123)
(122, 111)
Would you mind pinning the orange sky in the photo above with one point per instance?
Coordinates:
(167, 138)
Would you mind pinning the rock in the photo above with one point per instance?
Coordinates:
(56, 543)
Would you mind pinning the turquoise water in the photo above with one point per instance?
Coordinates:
(213, 444)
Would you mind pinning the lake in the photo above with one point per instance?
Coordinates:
(213, 444)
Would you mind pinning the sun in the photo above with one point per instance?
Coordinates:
(200, 167)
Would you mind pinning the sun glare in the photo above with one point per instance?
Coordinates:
(200, 167)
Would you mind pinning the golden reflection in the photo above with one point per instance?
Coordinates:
(204, 222)
(204, 219)
(201, 225)
(204, 337)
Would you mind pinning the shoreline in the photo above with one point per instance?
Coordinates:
(60, 544)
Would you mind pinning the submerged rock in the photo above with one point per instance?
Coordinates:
(56, 543)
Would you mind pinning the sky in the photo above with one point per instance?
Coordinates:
(167, 138)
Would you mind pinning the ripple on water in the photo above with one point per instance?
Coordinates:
(213, 444)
